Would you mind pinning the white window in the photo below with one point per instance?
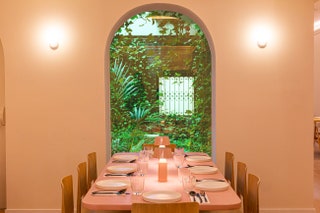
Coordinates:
(176, 95)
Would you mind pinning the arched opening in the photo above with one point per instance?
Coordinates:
(141, 66)
(2, 133)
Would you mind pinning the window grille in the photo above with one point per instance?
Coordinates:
(176, 95)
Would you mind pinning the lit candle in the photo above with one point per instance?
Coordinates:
(162, 170)
(162, 149)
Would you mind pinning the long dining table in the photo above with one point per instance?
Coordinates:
(226, 199)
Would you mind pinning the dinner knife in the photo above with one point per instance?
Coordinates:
(109, 192)
(129, 174)
(188, 166)
(212, 179)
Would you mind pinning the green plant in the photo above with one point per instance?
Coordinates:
(137, 64)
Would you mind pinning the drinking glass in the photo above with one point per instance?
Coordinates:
(143, 155)
(178, 160)
(179, 151)
(188, 183)
(142, 167)
(148, 151)
(137, 184)
(183, 172)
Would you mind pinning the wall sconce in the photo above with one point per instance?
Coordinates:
(53, 35)
(54, 44)
(262, 38)
(261, 35)
(262, 42)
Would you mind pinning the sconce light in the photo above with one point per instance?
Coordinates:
(262, 42)
(53, 36)
(54, 44)
(261, 36)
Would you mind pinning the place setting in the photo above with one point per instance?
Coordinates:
(198, 158)
(111, 187)
(120, 170)
(124, 158)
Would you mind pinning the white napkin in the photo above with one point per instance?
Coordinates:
(198, 200)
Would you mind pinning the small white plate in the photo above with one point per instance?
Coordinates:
(203, 170)
(198, 158)
(112, 184)
(212, 185)
(125, 158)
(161, 196)
(121, 169)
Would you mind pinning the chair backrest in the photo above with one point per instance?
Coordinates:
(229, 168)
(253, 194)
(161, 140)
(147, 146)
(92, 168)
(186, 207)
(82, 184)
(67, 194)
(241, 187)
(168, 150)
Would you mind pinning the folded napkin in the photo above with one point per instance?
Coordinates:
(198, 199)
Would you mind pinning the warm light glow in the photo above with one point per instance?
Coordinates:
(53, 36)
(262, 36)
(316, 26)
(162, 160)
(54, 43)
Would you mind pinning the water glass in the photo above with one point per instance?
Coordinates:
(143, 155)
(137, 184)
(179, 151)
(148, 151)
(188, 183)
(183, 172)
(178, 160)
(142, 167)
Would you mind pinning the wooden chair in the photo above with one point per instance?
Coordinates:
(172, 146)
(67, 195)
(253, 194)
(229, 168)
(92, 168)
(161, 140)
(241, 187)
(186, 207)
(82, 184)
(156, 150)
(147, 146)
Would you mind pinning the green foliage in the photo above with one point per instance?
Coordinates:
(136, 65)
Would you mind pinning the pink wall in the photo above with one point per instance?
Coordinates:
(56, 101)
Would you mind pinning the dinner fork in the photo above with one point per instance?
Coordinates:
(203, 194)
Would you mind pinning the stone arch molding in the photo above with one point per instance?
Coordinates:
(150, 7)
